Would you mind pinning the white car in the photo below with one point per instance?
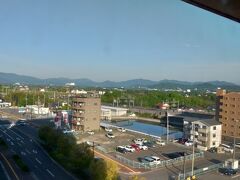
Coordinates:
(161, 142)
(188, 143)
(110, 135)
(90, 132)
(237, 145)
(122, 129)
(142, 147)
(129, 148)
(140, 141)
(156, 159)
(108, 129)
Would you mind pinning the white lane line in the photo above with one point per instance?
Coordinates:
(7, 134)
(16, 134)
(50, 172)
(28, 151)
(34, 176)
(38, 161)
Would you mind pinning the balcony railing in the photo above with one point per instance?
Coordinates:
(202, 138)
(202, 130)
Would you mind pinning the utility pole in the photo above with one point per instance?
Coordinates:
(193, 148)
(167, 127)
(184, 165)
(38, 104)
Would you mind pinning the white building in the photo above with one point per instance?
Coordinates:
(108, 112)
(5, 104)
(34, 109)
(208, 133)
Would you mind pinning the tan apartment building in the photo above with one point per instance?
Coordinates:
(228, 113)
(86, 112)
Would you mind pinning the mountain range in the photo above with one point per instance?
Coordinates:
(11, 78)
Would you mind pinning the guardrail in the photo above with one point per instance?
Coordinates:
(162, 163)
(201, 171)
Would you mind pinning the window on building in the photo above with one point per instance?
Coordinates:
(232, 119)
(214, 135)
(213, 143)
(214, 127)
(225, 111)
(204, 127)
(224, 131)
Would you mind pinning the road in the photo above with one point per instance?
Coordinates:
(39, 163)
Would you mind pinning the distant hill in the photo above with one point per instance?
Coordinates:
(11, 78)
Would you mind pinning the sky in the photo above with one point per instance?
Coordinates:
(117, 40)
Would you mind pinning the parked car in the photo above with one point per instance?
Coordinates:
(149, 160)
(149, 144)
(122, 129)
(110, 135)
(121, 149)
(143, 147)
(188, 143)
(227, 148)
(90, 132)
(182, 140)
(213, 150)
(237, 145)
(138, 141)
(156, 159)
(160, 142)
(129, 148)
(108, 129)
(135, 147)
(227, 171)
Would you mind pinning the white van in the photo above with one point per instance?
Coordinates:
(227, 148)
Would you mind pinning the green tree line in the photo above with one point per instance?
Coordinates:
(152, 98)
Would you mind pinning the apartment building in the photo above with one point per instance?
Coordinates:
(207, 133)
(86, 112)
(228, 113)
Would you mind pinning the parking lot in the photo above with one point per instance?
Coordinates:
(108, 145)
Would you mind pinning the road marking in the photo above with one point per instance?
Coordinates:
(7, 134)
(10, 166)
(50, 172)
(38, 161)
(28, 151)
(16, 134)
(34, 176)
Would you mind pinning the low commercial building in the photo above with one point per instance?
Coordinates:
(5, 104)
(207, 133)
(35, 109)
(108, 112)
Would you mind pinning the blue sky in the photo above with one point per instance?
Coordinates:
(117, 40)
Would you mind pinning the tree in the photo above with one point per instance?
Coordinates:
(112, 170)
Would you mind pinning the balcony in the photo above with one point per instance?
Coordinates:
(77, 114)
(202, 138)
(203, 130)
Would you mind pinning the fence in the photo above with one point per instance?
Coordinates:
(201, 171)
(162, 163)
